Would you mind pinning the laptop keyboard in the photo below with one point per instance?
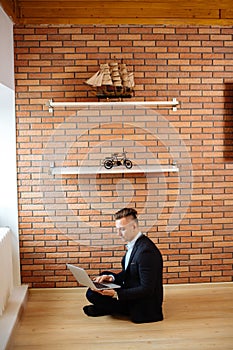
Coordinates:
(100, 285)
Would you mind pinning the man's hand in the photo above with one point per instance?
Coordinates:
(103, 278)
(107, 292)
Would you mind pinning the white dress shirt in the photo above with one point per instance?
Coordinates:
(129, 247)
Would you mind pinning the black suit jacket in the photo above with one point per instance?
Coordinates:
(142, 288)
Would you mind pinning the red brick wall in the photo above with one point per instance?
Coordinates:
(68, 218)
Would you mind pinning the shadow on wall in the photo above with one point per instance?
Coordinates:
(228, 122)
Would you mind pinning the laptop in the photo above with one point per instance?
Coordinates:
(82, 277)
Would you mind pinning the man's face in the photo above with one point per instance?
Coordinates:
(127, 228)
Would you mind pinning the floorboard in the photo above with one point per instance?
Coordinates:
(197, 316)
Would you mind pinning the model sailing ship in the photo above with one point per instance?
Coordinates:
(112, 81)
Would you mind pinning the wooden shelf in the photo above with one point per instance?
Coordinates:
(115, 170)
(79, 105)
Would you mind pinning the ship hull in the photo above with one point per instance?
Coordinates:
(112, 92)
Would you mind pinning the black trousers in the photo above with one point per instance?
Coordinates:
(107, 304)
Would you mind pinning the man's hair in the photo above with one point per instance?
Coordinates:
(125, 212)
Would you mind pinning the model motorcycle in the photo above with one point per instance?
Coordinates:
(117, 159)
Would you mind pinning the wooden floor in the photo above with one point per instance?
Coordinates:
(197, 317)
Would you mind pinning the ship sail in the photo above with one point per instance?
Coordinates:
(131, 83)
(105, 69)
(92, 81)
(112, 80)
(115, 74)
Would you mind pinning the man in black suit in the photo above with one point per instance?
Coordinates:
(141, 294)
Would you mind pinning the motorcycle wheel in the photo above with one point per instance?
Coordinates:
(108, 164)
(128, 164)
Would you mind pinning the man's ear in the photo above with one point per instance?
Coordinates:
(135, 225)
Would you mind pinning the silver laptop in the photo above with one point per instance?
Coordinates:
(83, 279)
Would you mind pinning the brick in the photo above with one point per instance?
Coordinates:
(188, 63)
